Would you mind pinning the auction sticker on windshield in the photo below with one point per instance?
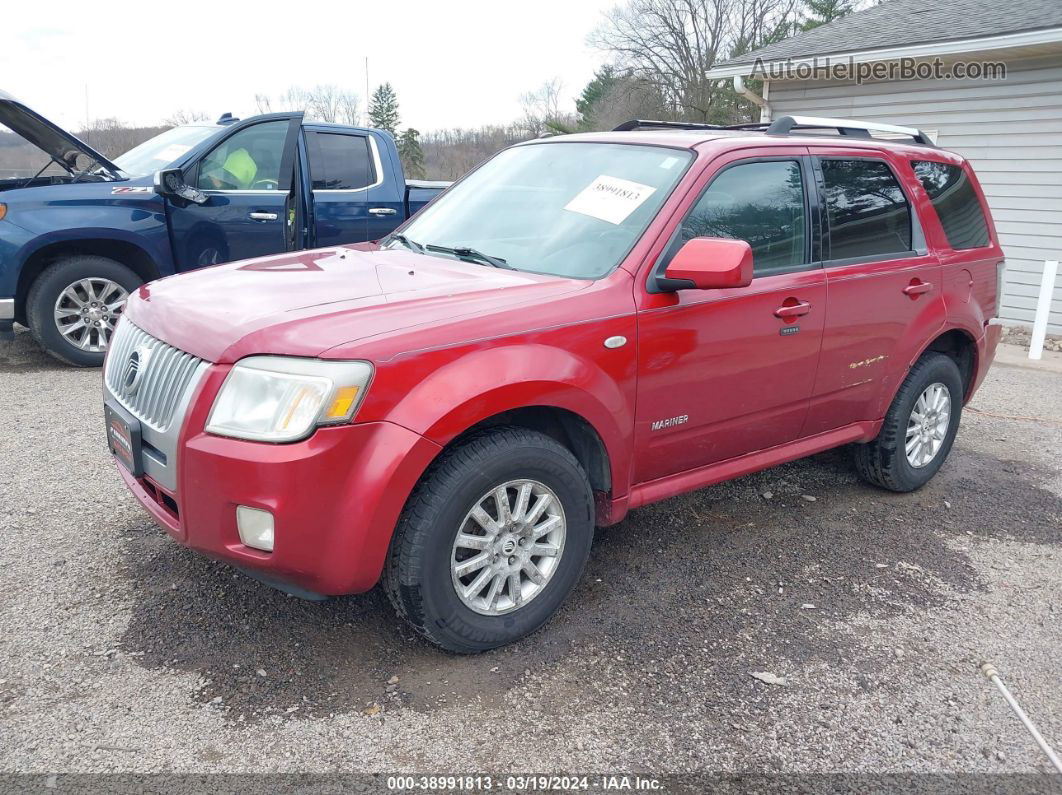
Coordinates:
(610, 199)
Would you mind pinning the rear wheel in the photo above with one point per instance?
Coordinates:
(919, 428)
(75, 304)
(492, 540)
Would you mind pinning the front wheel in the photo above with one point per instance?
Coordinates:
(919, 428)
(492, 540)
(75, 304)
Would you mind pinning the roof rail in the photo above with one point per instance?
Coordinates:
(853, 127)
(650, 124)
(784, 125)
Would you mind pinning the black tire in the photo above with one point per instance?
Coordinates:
(40, 304)
(883, 462)
(417, 576)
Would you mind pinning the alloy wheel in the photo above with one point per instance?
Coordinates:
(87, 311)
(508, 547)
(928, 424)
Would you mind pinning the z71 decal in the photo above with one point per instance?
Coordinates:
(133, 189)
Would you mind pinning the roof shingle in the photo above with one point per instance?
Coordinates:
(895, 23)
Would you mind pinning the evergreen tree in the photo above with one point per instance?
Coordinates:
(383, 109)
(596, 90)
(411, 154)
(823, 11)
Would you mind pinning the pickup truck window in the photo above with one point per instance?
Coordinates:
(569, 209)
(163, 149)
(956, 203)
(761, 203)
(247, 160)
(340, 162)
(868, 212)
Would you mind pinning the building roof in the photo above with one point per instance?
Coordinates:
(896, 24)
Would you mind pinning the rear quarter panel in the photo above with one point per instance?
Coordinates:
(968, 276)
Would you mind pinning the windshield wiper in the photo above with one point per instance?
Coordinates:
(412, 245)
(464, 252)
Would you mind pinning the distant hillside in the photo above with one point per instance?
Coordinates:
(20, 159)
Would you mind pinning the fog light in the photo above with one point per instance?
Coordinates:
(256, 527)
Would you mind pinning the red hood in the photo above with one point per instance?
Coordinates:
(304, 303)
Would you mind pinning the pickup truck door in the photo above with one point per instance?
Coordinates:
(250, 207)
(726, 372)
(358, 192)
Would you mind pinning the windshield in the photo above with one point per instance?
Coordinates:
(570, 209)
(163, 149)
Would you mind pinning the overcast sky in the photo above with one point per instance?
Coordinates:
(452, 62)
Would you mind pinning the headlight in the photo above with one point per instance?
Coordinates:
(282, 398)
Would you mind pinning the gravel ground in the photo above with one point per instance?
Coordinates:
(121, 651)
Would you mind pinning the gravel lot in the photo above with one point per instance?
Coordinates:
(121, 651)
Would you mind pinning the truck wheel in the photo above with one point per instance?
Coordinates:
(74, 305)
(492, 540)
(919, 427)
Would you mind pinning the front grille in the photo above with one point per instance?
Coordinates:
(166, 373)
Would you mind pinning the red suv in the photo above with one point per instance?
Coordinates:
(583, 325)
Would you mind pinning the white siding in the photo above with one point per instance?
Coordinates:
(1011, 131)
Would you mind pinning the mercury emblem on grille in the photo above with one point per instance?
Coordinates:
(134, 369)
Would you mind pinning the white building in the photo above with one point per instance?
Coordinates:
(1009, 127)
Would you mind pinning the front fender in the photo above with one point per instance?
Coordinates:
(452, 391)
(72, 213)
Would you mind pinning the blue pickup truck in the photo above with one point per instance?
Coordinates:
(80, 235)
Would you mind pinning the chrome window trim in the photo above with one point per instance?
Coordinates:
(214, 192)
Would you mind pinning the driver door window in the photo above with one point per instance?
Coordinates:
(247, 160)
(761, 202)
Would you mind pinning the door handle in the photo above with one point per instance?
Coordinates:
(916, 288)
(263, 216)
(382, 211)
(792, 310)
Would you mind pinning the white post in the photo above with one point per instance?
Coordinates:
(1043, 309)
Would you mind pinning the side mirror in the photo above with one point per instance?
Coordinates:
(707, 263)
(171, 185)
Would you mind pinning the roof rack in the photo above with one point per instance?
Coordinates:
(852, 127)
(785, 125)
(650, 124)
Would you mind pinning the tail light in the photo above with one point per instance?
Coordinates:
(1001, 269)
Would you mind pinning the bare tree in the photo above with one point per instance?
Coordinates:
(449, 154)
(671, 45)
(349, 109)
(184, 116)
(542, 109)
(323, 102)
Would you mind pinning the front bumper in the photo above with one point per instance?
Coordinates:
(335, 497)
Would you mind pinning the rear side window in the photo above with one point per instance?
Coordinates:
(761, 203)
(868, 212)
(340, 162)
(955, 202)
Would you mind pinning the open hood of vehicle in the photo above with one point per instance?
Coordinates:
(54, 141)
